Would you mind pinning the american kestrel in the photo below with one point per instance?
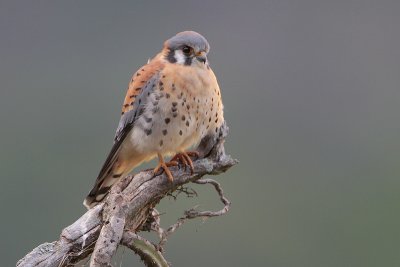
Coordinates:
(171, 104)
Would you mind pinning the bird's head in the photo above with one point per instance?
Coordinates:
(187, 48)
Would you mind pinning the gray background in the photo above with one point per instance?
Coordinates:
(312, 97)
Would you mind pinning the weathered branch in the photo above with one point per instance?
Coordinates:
(149, 253)
(128, 209)
(193, 213)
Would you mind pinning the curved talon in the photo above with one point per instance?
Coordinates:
(180, 158)
(193, 154)
(164, 165)
(184, 157)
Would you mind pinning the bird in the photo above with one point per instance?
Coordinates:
(171, 103)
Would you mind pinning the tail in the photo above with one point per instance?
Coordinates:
(103, 185)
(119, 168)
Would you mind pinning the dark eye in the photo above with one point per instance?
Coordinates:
(187, 50)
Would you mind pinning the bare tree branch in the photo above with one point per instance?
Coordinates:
(150, 255)
(192, 213)
(128, 209)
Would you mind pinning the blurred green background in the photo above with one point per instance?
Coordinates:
(312, 97)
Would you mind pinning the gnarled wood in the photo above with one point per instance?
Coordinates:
(127, 209)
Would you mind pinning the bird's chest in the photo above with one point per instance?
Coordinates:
(178, 114)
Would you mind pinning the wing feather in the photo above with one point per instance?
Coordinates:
(142, 84)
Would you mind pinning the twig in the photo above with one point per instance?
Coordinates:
(192, 213)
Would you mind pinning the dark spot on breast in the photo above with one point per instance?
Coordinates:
(167, 120)
(155, 109)
(147, 119)
(216, 120)
(117, 175)
(216, 129)
(126, 105)
(209, 120)
(174, 104)
(180, 132)
(167, 95)
(161, 142)
(187, 123)
(138, 74)
(165, 132)
(173, 87)
(148, 131)
(162, 88)
(160, 83)
(132, 96)
(183, 117)
(174, 109)
(188, 107)
(174, 114)
(155, 103)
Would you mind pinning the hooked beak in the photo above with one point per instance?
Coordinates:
(201, 56)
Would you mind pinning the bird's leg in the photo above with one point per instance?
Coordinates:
(184, 157)
(164, 165)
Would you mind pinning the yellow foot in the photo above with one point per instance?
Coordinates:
(184, 157)
(164, 165)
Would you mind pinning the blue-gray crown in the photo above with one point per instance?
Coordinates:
(189, 38)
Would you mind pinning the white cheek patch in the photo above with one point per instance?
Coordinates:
(180, 57)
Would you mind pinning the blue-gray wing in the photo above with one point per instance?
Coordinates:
(128, 118)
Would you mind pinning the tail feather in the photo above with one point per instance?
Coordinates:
(94, 197)
(103, 184)
(119, 169)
